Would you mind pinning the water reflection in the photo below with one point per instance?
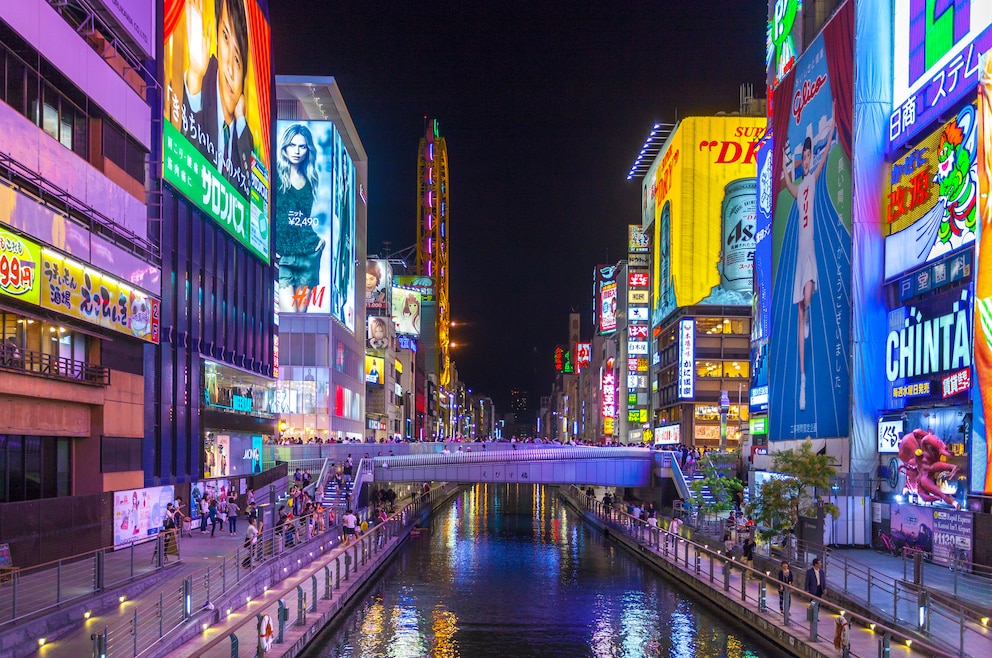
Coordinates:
(509, 571)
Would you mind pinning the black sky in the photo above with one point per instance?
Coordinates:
(544, 106)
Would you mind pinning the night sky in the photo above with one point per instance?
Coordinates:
(544, 106)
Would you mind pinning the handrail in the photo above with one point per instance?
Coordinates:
(53, 367)
(503, 455)
(677, 475)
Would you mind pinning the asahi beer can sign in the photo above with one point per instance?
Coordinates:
(739, 211)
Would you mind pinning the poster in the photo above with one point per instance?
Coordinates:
(981, 449)
(809, 381)
(944, 534)
(138, 513)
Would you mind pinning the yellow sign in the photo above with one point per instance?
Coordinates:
(608, 426)
(19, 267)
(705, 203)
(637, 296)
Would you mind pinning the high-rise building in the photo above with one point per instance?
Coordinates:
(80, 286)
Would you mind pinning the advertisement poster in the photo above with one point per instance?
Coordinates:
(945, 534)
(378, 280)
(785, 38)
(809, 381)
(215, 488)
(377, 332)
(933, 455)
(374, 367)
(138, 513)
(705, 204)
(761, 296)
(314, 190)
(931, 197)
(981, 448)
(406, 312)
(604, 294)
(217, 135)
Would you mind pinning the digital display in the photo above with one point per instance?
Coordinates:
(374, 366)
(218, 83)
(406, 312)
(378, 282)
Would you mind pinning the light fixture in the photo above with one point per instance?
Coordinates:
(985, 621)
(41, 641)
(87, 614)
(871, 626)
(122, 598)
(909, 643)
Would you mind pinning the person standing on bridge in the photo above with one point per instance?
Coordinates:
(785, 577)
(815, 585)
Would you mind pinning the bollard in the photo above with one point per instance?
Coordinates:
(99, 644)
(726, 576)
(762, 596)
(884, 651)
(814, 615)
(187, 597)
(743, 583)
(234, 645)
(786, 602)
(313, 599)
(283, 618)
(923, 601)
(327, 581)
(699, 563)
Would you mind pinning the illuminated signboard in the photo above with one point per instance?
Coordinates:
(639, 297)
(981, 446)
(406, 312)
(637, 415)
(636, 382)
(758, 426)
(784, 41)
(638, 279)
(377, 332)
(20, 260)
(890, 431)
(315, 225)
(639, 241)
(422, 284)
(563, 360)
(667, 435)
(583, 355)
(638, 331)
(928, 350)
(637, 347)
(218, 86)
(762, 294)
(637, 314)
(138, 513)
(378, 281)
(609, 393)
(930, 205)
(935, 47)
(407, 343)
(687, 356)
(374, 366)
(639, 260)
(608, 426)
(608, 307)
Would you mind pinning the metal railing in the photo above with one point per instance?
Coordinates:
(902, 610)
(53, 367)
(36, 589)
(480, 456)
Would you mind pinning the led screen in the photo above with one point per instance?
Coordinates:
(378, 281)
(374, 366)
(377, 332)
(217, 113)
(315, 220)
(406, 312)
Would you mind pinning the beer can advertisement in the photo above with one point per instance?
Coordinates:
(139, 513)
(705, 209)
(216, 137)
(315, 220)
(809, 380)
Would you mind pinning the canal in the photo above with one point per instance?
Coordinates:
(511, 571)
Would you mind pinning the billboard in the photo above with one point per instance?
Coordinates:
(930, 202)
(43, 277)
(761, 296)
(374, 366)
(638, 240)
(981, 447)
(378, 281)
(315, 220)
(377, 332)
(687, 359)
(605, 298)
(705, 208)
(933, 454)
(138, 513)
(609, 393)
(422, 284)
(784, 40)
(935, 50)
(945, 534)
(928, 350)
(583, 355)
(809, 380)
(406, 311)
(218, 86)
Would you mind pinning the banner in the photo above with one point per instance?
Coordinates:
(761, 296)
(406, 311)
(981, 447)
(378, 282)
(218, 77)
(809, 380)
(139, 513)
(946, 535)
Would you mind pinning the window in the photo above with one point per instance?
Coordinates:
(123, 150)
(33, 467)
(119, 454)
(709, 369)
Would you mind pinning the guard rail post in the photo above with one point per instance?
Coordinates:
(301, 606)
(234, 645)
(283, 615)
(99, 573)
(786, 603)
(743, 582)
(327, 581)
(762, 596)
(884, 649)
(814, 616)
(313, 598)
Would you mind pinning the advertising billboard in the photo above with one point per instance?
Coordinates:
(944, 534)
(406, 311)
(218, 85)
(422, 284)
(638, 239)
(377, 332)
(609, 393)
(45, 278)
(138, 513)
(930, 203)
(933, 455)
(761, 296)
(981, 447)
(605, 298)
(315, 220)
(374, 366)
(687, 359)
(583, 355)
(378, 281)
(809, 380)
(705, 209)
(935, 50)
(784, 40)
(928, 350)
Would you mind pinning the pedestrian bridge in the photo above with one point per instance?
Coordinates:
(614, 467)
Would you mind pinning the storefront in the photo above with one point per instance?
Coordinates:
(238, 418)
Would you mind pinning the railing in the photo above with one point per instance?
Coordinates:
(155, 618)
(902, 610)
(53, 367)
(670, 460)
(36, 589)
(481, 456)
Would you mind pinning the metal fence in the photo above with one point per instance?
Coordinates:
(36, 589)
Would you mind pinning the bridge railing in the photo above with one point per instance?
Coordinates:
(505, 455)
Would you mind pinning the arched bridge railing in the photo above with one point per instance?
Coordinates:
(505, 455)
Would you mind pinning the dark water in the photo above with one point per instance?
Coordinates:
(510, 571)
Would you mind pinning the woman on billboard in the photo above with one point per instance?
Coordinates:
(298, 245)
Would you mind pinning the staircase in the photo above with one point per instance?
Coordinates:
(335, 496)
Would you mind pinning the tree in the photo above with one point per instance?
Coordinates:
(714, 466)
(784, 499)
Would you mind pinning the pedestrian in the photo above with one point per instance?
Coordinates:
(842, 634)
(232, 516)
(349, 521)
(748, 550)
(675, 526)
(814, 579)
(728, 543)
(251, 538)
(250, 497)
(785, 577)
(212, 513)
(204, 510)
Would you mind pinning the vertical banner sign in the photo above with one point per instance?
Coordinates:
(687, 358)
(761, 297)
(785, 38)
(606, 298)
(809, 380)
(981, 446)
(218, 76)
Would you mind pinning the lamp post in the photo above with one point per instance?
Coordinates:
(724, 408)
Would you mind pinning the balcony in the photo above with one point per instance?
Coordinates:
(48, 366)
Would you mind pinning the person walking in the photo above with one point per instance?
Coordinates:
(747, 550)
(212, 516)
(349, 521)
(251, 538)
(232, 516)
(814, 579)
(785, 577)
(204, 510)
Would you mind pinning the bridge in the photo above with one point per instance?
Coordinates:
(614, 467)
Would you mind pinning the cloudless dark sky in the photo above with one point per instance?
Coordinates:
(544, 106)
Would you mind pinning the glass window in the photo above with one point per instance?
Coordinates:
(709, 325)
(709, 369)
(737, 369)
